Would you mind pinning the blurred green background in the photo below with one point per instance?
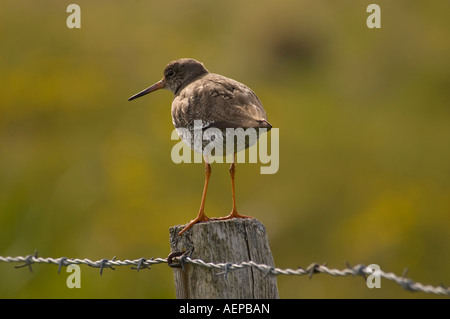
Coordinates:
(364, 119)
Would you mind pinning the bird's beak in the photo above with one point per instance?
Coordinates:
(159, 85)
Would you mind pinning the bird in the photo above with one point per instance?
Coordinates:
(220, 103)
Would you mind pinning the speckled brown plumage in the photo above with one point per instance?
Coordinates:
(219, 102)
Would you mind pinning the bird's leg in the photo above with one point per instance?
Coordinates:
(201, 217)
(234, 213)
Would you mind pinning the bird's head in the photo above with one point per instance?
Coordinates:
(177, 75)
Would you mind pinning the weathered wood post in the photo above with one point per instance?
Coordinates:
(234, 241)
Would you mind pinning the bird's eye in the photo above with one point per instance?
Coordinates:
(170, 73)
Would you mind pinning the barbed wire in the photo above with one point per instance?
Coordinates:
(180, 259)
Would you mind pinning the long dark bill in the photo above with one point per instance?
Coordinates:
(159, 85)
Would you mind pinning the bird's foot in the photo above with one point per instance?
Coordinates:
(233, 214)
(200, 218)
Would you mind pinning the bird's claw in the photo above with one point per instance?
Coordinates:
(199, 219)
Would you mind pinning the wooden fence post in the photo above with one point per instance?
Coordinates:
(234, 241)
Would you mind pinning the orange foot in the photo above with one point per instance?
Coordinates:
(200, 218)
(233, 214)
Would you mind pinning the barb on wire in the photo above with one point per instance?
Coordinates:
(28, 261)
(141, 264)
(179, 259)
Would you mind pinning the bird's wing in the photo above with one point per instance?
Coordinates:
(226, 103)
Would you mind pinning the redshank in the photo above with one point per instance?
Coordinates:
(214, 101)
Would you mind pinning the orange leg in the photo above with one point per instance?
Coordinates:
(234, 213)
(201, 217)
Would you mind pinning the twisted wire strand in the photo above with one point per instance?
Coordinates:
(358, 270)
